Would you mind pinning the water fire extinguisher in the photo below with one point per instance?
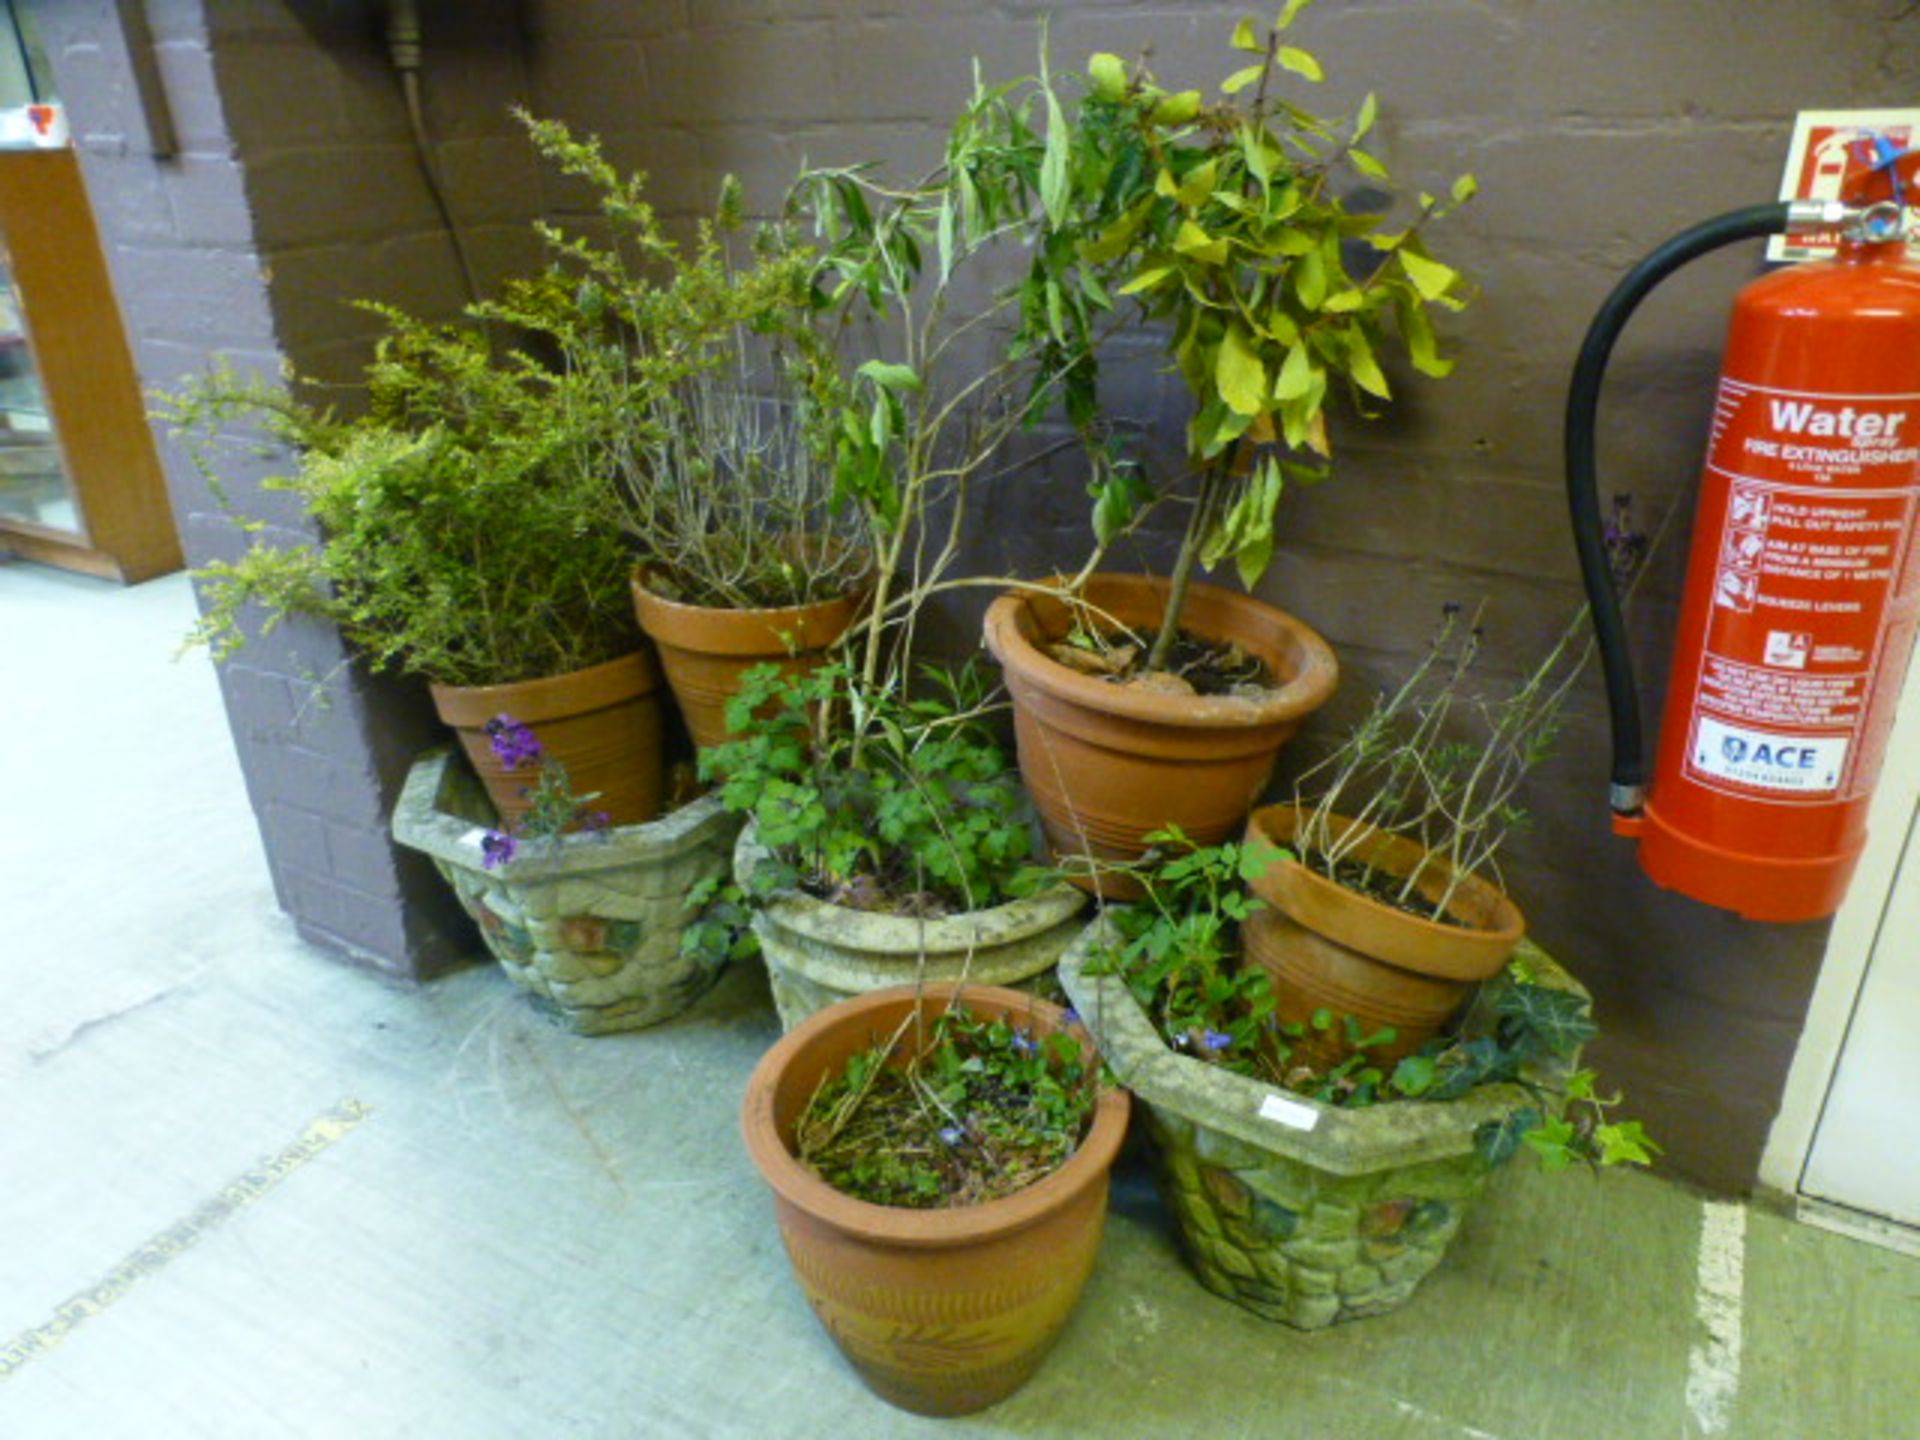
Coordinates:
(1803, 585)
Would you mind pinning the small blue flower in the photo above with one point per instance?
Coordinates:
(953, 1135)
(1070, 1016)
(1215, 1039)
(513, 744)
(497, 847)
(1024, 1043)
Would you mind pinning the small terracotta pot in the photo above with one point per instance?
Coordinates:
(1107, 764)
(942, 1312)
(705, 649)
(603, 723)
(1328, 947)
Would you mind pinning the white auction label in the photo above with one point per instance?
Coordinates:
(1802, 764)
(1290, 1113)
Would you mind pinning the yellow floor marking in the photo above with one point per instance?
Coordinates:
(322, 1131)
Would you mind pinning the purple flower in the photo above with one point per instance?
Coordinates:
(1024, 1043)
(1070, 1016)
(953, 1135)
(497, 847)
(1215, 1039)
(513, 743)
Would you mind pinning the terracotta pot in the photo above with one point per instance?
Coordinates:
(1107, 764)
(705, 650)
(942, 1312)
(1330, 947)
(603, 723)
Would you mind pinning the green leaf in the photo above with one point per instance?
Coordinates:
(1498, 1141)
(1296, 374)
(1553, 1022)
(1147, 279)
(1109, 75)
(1429, 277)
(1367, 165)
(1198, 185)
(1343, 302)
(1240, 79)
(1364, 368)
(1254, 148)
(1177, 109)
(1423, 348)
(1310, 279)
(1464, 189)
(1363, 122)
(1192, 240)
(1553, 1142)
(890, 376)
(1053, 163)
(1299, 62)
(1240, 373)
(1293, 8)
(1246, 36)
(1414, 1075)
(1625, 1144)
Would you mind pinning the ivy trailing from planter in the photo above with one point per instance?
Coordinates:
(1179, 955)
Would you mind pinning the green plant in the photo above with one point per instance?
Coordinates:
(1179, 954)
(469, 519)
(1222, 220)
(1440, 764)
(977, 1110)
(933, 821)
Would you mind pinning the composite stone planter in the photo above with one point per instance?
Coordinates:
(1299, 1211)
(589, 925)
(818, 954)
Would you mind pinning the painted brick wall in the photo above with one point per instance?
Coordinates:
(1595, 131)
(198, 267)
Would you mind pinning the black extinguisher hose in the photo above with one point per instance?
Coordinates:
(1629, 775)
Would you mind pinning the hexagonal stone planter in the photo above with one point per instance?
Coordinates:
(818, 953)
(1299, 1211)
(589, 925)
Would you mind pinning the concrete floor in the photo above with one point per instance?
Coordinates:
(247, 1193)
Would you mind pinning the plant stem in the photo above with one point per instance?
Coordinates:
(1210, 485)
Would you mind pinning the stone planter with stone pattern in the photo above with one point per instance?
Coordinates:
(589, 925)
(1299, 1211)
(819, 953)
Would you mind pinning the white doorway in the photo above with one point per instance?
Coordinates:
(1845, 1147)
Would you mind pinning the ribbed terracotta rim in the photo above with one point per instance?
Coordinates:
(1378, 930)
(1012, 630)
(551, 696)
(878, 1011)
(720, 630)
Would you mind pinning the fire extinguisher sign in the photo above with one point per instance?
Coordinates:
(1825, 156)
(1813, 548)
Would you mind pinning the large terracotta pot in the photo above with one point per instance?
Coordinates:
(1329, 947)
(1108, 764)
(942, 1312)
(705, 650)
(603, 723)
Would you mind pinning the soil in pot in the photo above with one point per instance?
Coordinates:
(705, 650)
(941, 1311)
(605, 724)
(1109, 764)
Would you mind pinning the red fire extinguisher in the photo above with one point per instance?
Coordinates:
(1803, 586)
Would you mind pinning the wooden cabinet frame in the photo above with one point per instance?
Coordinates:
(86, 370)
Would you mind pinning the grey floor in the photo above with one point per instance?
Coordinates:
(247, 1193)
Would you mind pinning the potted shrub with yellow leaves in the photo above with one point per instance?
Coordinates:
(1144, 702)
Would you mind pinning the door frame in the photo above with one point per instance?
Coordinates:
(1836, 993)
(93, 394)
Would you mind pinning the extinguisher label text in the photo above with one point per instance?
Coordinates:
(1768, 760)
(1813, 545)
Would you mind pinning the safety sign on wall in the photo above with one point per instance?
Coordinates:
(1827, 152)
